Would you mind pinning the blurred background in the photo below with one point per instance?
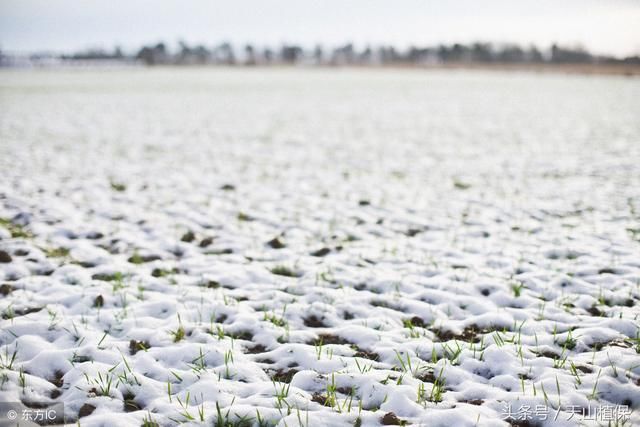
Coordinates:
(373, 33)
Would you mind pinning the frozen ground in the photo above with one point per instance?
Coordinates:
(320, 248)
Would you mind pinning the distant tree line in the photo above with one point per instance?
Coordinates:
(248, 55)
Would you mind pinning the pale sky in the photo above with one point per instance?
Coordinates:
(603, 26)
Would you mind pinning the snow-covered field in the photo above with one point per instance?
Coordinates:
(320, 247)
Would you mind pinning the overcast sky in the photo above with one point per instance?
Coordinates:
(603, 26)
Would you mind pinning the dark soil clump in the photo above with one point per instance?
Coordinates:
(391, 419)
(57, 379)
(276, 243)
(314, 322)
(5, 257)
(188, 237)
(206, 242)
(593, 310)
(469, 334)
(98, 301)
(136, 346)
(328, 339)
(321, 252)
(365, 354)
(129, 403)
(284, 376)
(256, 349)
(86, 410)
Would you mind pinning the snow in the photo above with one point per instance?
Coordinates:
(319, 247)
